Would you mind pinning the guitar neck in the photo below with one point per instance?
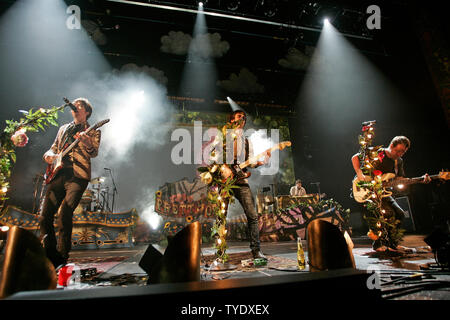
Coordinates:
(419, 179)
(73, 144)
(409, 181)
(255, 158)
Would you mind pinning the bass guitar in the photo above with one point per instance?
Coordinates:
(236, 171)
(390, 181)
(56, 165)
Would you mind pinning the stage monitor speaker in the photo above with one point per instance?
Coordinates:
(25, 266)
(181, 260)
(408, 221)
(327, 247)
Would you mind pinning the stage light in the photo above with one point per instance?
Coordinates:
(203, 3)
(233, 5)
(270, 8)
(234, 105)
(325, 21)
(199, 74)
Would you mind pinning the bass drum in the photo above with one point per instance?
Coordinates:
(87, 197)
(79, 209)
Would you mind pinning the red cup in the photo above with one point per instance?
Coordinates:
(64, 274)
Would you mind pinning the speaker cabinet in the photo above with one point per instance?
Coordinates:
(327, 247)
(181, 260)
(25, 266)
(408, 221)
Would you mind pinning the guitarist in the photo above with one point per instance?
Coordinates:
(65, 190)
(244, 193)
(390, 162)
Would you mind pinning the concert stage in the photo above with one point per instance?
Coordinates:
(396, 275)
(160, 140)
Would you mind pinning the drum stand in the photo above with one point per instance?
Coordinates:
(36, 180)
(105, 202)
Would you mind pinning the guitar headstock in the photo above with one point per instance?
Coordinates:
(284, 144)
(444, 175)
(100, 123)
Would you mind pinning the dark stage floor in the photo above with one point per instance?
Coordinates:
(411, 274)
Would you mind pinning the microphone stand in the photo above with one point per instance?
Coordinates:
(274, 206)
(318, 188)
(36, 181)
(114, 190)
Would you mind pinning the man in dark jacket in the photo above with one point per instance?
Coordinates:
(64, 192)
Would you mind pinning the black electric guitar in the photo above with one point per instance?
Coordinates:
(56, 165)
(389, 180)
(236, 171)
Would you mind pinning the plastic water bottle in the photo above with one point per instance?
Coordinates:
(300, 255)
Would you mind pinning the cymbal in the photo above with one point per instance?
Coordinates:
(97, 180)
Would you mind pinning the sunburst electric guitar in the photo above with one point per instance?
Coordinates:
(236, 171)
(56, 165)
(390, 181)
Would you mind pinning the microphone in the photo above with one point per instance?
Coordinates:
(74, 109)
(107, 169)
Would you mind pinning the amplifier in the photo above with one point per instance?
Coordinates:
(408, 221)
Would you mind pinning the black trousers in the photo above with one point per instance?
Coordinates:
(245, 197)
(64, 194)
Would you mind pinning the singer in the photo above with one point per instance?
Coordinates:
(64, 192)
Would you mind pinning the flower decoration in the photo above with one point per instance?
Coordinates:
(19, 138)
(372, 235)
(377, 173)
(220, 189)
(14, 135)
(382, 224)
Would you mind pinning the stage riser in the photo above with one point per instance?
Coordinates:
(91, 230)
(98, 237)
(289, 290)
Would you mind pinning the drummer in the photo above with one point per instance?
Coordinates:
(298, 190)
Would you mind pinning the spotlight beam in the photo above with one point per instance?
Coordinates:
(222, 15)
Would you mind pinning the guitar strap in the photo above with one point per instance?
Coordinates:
(68, 136)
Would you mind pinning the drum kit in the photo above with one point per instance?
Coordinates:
(96, 196)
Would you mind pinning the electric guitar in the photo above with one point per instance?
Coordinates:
(236, 171)
(56, 165)
(389, 180)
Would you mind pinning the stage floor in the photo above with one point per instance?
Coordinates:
(397, 273)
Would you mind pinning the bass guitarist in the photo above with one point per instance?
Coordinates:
(66, 188)
(390, 162)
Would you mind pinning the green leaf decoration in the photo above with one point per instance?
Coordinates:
(31, 122)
